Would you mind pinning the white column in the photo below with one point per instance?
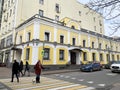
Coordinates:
(79, 37)
(54, 62)
(34, 55)
(36, 31)
(68, 37)
(55, 34)
(88, 40)
(78, 58)
(69, 57)
(22, 56)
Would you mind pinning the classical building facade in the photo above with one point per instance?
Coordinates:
(58, 33)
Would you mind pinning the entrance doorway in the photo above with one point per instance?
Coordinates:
(73, 58)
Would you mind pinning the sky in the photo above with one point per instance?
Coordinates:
(107, 24)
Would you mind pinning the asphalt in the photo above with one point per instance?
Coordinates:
(6, 73)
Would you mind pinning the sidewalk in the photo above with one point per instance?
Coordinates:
(6, 72)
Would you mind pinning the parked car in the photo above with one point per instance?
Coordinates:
(107, 66)
(115, 67)
(92, 66)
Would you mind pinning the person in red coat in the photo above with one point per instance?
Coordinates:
(38, 68)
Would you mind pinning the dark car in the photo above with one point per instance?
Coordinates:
(107, 66)
(93, 66)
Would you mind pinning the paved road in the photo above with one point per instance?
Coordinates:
(101, 80)
(46, 84)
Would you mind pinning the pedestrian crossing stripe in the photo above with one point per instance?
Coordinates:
(45, 84)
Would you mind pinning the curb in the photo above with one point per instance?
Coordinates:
(58, 71)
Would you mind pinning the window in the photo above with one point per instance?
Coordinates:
(73, 27)
(106, 46)
(79, 13)
(100, 45)
(84, 56)
(101, 57)
(116, 48)
(100, 30)
(41, 12)
(20, 39)
(28, 36)
(94, 56)
(57, 18)
(100, 23)
(57, 8)
(113, 58)
(41, 2)
(14, 10)
(9, 40)
(94, 19)
(84, 42)
(95, 28)
(27, 53)
(61, 54)
(9, 3)
(61, 39)
(117, 57)
(46, 53)
(47, 36)
(92, 44)
(10, 12)
(73, 41)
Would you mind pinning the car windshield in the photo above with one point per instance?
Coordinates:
(117, 62)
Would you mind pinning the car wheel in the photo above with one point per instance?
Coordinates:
(112, 71)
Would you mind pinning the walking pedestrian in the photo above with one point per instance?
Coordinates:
(38, 68)
(15, 70)
(27, 68)
(21, 68)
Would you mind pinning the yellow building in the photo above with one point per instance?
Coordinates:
(60, 32)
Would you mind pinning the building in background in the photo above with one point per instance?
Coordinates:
(60, 32)
(1, 9)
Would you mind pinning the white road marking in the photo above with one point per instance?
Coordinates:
(111, 74)
(67, 76)
(29, 88)
(102, 85)
(73, 78)
(61, 75)
(88, 88)
(81, 80)
(90, 82)
(64, 87)
(57, 74)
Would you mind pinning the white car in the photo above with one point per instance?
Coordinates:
(115, 67)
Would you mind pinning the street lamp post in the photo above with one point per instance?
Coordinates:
(43, 51)
(108, 54)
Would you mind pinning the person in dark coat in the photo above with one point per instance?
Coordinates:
(15, 70)
(38, 68)
(27, 68)
(21, 67)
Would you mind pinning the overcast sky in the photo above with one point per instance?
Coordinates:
(108, 31)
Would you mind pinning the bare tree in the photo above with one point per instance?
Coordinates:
(110, 9)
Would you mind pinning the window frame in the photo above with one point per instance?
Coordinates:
(61, 39)
(61, 55)
(47, 36)
(46, 51)
(27, 53)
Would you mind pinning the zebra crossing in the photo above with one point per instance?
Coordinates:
(26, 83)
